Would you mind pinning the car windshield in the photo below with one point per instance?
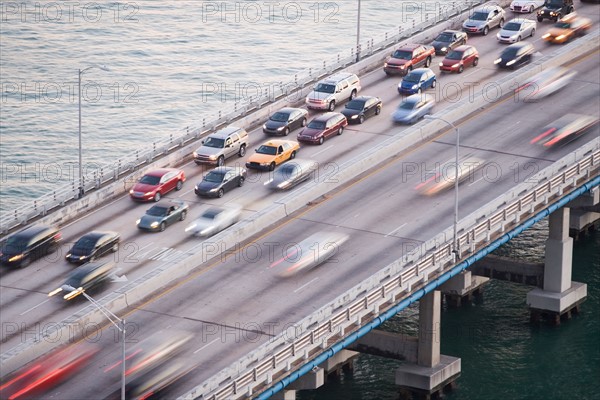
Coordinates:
(84, 244)
(407, 105)
(512, 26)
(150, 180)
(412, 78)
(454, 55)
(356, 104)
(562, 25)
(479, 16)
(279, 117)
(510, 52)
(264, 149)
(553, 3)
(214, 142)
(402, 54)
(16, 244)
(325, 88)
(214, 176)
(157, 211)
(211, 213)
(317, 125)
(444, 37)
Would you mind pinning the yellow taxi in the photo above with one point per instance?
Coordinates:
(272, 153)
(567, 28)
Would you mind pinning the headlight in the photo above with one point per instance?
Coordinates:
(402, 66)
(131, 191)
(280, 129)
(282, 185)
(444, 49)
(547, 35)
(138, 221)
(15, 258)
(195, 155)
(213, 157)
(148, 194)
(415, 86)
(456, 65)
(385, 65)
(154, 224)
(265, 126)
(213, 190)
(497, 61)
(68, 255)
(267, 182)
(191, 227)
(553, 14)
(511, 62)
(560, 37)
(441, 64)
(354, 117)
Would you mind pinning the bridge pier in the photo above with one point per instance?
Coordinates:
(462, 288)
(559, 296)
(313, 380)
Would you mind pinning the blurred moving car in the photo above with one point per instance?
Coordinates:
(322, 127)
(362, 107)
(516, 29)
(161, 215)
(310, 252)
(405, 58)
(413, 108)
(445, 176)
(28, 245)
(448, 40)
(214, 220)
(47, 372)
(285, 120)
(568, 28)
(220, 180)
(417, 80)
(459, 58)
(555, 9)
(565, 129)
(484, 18)
(291, 174)
(545, 83)
(515, 55)
(93, 245)
(152, 384)
(525, 6)
(157, 183)
(84, 278)
(272, 153)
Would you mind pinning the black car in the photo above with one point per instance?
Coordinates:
(93, 245)
(220, 180)
(285, 120)
(515, 55)
(84, 278)
(360, 108)
(555, 10)
(23, 247)
(448, 40)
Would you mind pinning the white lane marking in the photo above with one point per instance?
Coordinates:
(34, 307)
(395, 230)
(184, 193)
(472, 183)
(143, 255)
(320, 151)
(206, 345)
(306, 284)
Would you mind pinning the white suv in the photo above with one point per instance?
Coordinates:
(332, 90)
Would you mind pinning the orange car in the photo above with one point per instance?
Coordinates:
(272, 153)
(567, 28)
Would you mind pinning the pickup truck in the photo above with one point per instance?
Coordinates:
(408, 57)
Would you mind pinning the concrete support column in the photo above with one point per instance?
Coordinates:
(430, 306)
(559, 253)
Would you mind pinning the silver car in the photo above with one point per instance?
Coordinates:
(214, 220)
(292, 173)
(483, 19)
(516, 29)
(413, 108)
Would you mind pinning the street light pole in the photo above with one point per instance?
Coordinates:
(358, 34)
(455, 244)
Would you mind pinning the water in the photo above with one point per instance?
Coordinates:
(503, 355)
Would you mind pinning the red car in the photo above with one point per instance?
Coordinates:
(157, 183)
(459, 58)
(323, 127)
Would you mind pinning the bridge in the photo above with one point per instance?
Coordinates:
(261, 332)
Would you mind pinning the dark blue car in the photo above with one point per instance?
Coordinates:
(417, 81)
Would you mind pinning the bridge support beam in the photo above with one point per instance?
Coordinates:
(433, 372)
(462, 288)
(312, 380)
(560, 296)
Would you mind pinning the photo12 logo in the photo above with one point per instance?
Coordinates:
(54, 92)
(269, 11)
(62, 12)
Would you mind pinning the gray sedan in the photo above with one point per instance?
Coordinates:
(159, 216)
(516, 29)
(413, 108)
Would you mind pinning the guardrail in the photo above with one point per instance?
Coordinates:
(291, 349)
(112, 172)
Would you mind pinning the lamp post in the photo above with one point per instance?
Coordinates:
(116, 321)
(81, 72)
(358, 34)
(455, 238)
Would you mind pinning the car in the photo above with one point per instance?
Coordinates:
(362, 107)
(272, 153)
(213, 220)
(413, 108)
(221, 145)
(448, 40)
(516, 29)
(332, 90)
(285, 120)
(483, 19)
(93, 245)
(153, 383)
(417, 81)
(459, 58)
(84, 278)
(555, 10)
(291, 174)
(322, 127)
(525, 6)
(408, 57)
(220, 180)
(545, 83)
(567, 28)
(444, 178)
(161, 215)
(515, 55)
(28, 245)
(155, 184)
(565, 129)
